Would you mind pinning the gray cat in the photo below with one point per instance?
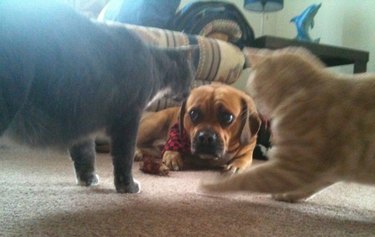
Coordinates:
(64, 77)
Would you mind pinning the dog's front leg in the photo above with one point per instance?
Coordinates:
(83, 156)
(123, 139)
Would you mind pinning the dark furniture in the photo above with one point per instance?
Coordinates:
(330, 55)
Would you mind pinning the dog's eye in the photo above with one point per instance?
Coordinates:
(195, 115)
(226, 118)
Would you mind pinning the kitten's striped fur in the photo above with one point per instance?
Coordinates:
(323, 126)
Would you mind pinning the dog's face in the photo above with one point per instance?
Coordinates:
(219, 120)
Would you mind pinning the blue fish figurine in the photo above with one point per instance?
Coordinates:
(305, 21)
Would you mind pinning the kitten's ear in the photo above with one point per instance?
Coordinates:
(254, 56)
(304, 54)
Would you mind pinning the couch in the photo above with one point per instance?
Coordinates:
(218, 28)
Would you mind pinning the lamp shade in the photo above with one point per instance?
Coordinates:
(264, 5)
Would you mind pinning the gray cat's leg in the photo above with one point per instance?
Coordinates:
(83, 156)
(123, 141)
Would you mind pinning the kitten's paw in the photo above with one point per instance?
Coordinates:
(133, 187)
(88, 180)
(285, 197)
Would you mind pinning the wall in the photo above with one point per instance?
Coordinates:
(344, 23)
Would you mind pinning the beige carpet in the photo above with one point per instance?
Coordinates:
(39, 198)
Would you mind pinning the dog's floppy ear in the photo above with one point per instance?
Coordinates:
(181, 117)
(250, 124)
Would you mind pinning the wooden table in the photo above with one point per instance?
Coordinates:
(330, 55)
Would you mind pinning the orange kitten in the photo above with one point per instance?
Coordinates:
(323, 126)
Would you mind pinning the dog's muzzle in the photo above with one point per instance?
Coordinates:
(207, 145)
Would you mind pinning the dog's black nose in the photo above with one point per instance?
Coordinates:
(206, 142)
(207, 138)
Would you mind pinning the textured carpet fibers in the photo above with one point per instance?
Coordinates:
(38, 197)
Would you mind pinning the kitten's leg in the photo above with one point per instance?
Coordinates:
(271, 177)
(303, 193)
(83, 156)
(123, 140)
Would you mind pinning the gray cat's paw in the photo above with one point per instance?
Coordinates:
(133, 187)
(88, 180)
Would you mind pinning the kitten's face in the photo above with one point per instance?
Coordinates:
(278, 74)
(263, 79)
(256, 87)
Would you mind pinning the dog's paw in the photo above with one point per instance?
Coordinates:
(153, 165)
(237, 166)
(173, 160)
(138, 155)
(163, 170)
(88, 180)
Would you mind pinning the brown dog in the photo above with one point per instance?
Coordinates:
(218, 122)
